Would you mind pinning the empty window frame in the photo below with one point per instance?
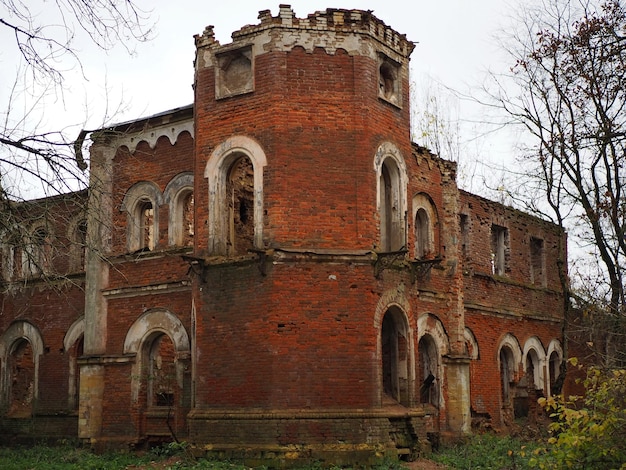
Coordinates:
(178, 195)
(499, 250)
(38, 252)
(240, 194)
(162, 380)
(78, 248)
(141, 204)
(235, 182)
(389, 80)
(12, 259)
(537, 262)
(422, 234)
(234, 72)
(392, 224)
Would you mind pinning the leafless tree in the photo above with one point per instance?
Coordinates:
(46, 40)
(41, 157)
(567, 88)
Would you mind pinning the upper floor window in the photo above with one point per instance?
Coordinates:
(12, 257)
(38, 252)
(145, 219)
(141, 204)
(178, 195)
(389, 82)
(537, 262)
(425, 218)
(499, 250)
(77, 235)
(391, 198)
(234, 73)
(240, 193)
(235, 176)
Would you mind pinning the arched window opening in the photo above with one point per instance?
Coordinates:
(38, 253)
(391, 216)
(507, 375)
(161, 390)
(555, 369)
(389, 80)
(74, 389)
(22, 380)
(146, 225)
(533, 370)
(187, 219)
(240, 193)
(422, 234)
(79, 246)
(395, 357)
(12, 268)
(428, 370)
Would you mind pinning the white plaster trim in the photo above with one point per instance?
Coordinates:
(154, 321)
(73, 334)
(16, 331)
(143, 330)
(513, 344)
(553, 347)
(171, 130)
(437, 331)
(534, 344)
(216, 172)
(470, 338)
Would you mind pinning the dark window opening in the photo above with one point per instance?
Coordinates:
(395, 358)
(162, 372)
(422, 234)
(537, 263)
(428, 370)
(240, 188)
(22, 380)
(499, 250)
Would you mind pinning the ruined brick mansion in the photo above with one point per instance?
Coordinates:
(277, 269)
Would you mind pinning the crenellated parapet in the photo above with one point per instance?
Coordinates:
(331, 29)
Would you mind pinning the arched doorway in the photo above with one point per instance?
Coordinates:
(396, 357)
(21, 379)
(428, 370)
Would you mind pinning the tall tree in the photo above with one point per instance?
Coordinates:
(569, 76)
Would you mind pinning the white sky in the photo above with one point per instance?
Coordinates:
(455, 46)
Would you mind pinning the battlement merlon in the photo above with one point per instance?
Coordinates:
(331, 29)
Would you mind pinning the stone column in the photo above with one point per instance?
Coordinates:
(99, 219)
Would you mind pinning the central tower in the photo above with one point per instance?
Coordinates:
(302, 136)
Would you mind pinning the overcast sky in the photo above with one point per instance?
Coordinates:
(454, 46)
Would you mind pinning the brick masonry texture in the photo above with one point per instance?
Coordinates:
(321, 326)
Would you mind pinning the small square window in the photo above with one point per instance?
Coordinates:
(234, 74)
(389, 81)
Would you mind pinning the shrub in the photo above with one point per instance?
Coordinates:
(590, 431)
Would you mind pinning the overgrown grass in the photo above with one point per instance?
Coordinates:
(168, 457)
(487, 451)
